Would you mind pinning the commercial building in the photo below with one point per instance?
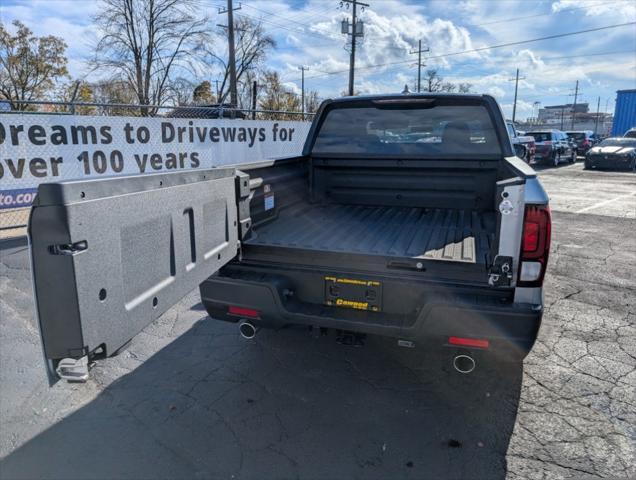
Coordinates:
(625, 112)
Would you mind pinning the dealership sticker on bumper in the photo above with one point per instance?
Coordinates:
(353, 293)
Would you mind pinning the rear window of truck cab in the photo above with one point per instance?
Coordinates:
(426, 129)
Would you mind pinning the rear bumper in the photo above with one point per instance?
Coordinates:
(426, 317)
(582, 149)
(543, 153)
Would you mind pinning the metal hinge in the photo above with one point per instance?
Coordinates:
(69, 248)
(73, 370)
(500, 273)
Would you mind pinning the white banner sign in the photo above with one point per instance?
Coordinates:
(49, 148)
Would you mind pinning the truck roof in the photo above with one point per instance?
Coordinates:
(406, 96)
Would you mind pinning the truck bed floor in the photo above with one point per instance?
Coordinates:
(428, 233)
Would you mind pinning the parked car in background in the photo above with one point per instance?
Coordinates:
(553, 147)
(617, 152)
(527, 141)
(206, 111)
(583, 139)
(631, 133)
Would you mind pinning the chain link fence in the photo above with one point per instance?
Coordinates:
(15, 199)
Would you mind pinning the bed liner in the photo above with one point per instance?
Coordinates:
(429, 233)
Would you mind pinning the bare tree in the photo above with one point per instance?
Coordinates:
(312, 102)
(434, 82)
(116, 92)
(252, 45)
(29, 65)
(144, 41)
(246, 87)
(180, 91)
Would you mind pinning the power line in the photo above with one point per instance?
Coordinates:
(290, 19)
(313, 11)
(276, 15)
(588, 55)
(543, 58)
(541, 14)
(320, 45)
(285, 27)
(481, 49)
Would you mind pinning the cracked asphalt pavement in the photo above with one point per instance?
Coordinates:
(191, 399)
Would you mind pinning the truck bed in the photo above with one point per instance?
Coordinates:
(453, 235)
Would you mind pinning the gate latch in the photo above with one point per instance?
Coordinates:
(69, 248)
(73, 370)
(500, 273)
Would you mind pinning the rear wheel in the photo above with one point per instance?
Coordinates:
(556, 158)
(573, 158)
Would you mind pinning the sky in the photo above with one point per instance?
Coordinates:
(307, 33)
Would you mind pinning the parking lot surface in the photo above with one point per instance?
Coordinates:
(191, 399)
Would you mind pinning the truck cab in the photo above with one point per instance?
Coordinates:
(407, 216)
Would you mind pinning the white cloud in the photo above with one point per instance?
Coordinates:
(308, 33)
(497, 92)
(610, 10)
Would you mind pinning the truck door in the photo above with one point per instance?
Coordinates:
(109, 256)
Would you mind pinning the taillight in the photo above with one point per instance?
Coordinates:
(242, 312)
(535, 245)
(548, 142)
(468, 342)
(586, 143)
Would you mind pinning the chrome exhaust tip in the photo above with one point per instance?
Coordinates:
(247, 330)
(464, 363)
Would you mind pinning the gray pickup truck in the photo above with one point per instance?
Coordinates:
(407, 216)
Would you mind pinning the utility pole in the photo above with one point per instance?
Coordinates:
(562, 111)
(355, 32)
(230, 41)
(302, 69)
(254, 91)
(598, 110)
(576, 94)
(419, 63)
(514, 105)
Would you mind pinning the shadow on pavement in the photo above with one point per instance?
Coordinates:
(211, 405)
(10, 243)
